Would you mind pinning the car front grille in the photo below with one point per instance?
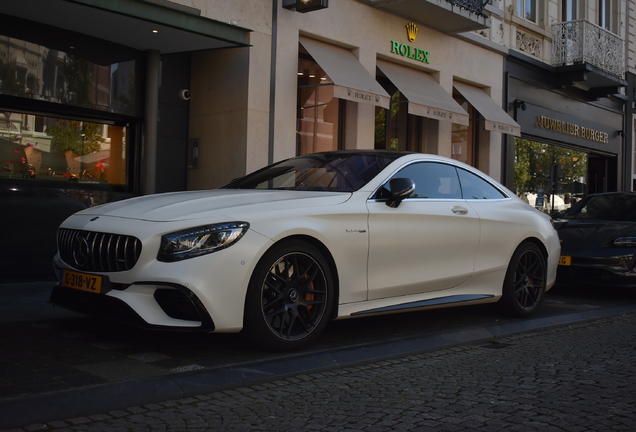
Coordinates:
(98, 252)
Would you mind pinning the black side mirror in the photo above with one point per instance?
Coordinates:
(401, 189)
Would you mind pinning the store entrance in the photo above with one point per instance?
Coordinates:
(602, 174)
(551, 178)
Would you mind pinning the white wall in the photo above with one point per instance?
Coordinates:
(233, 134)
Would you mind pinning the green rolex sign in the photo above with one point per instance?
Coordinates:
(405, 50)
(408, 51)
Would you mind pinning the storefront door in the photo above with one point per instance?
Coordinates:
(601, 174)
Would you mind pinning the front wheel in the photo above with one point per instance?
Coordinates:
(289, 297)
(525, 282)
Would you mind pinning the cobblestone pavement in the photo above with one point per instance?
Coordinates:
(576, 378)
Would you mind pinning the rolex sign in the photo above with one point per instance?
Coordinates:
(310, 5)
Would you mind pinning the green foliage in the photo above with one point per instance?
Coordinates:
(382, 122)
(380, 129)
(534, 159)
(80, 137)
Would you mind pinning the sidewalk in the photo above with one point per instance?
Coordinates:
(38, 392)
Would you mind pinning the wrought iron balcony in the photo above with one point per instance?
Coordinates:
(447, 16)
(474, 6)
(581, 42)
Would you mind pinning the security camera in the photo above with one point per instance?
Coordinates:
(184, 94)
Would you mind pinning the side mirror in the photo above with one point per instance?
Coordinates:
(401, 189)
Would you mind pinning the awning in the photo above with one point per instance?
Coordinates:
(351, 80)
(142, 25)
(426, 97)
(497, 120)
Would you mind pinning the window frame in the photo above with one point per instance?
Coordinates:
(472, 130)
(407, 129)
(569, 10)
(339, 135)
(607, 15)
(522, 8)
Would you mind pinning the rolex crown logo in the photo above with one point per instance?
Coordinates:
(411, 31)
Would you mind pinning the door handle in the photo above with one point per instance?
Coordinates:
(459, 210)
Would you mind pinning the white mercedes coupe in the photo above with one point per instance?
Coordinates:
(280, 252)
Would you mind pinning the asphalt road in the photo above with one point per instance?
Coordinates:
(58, 365)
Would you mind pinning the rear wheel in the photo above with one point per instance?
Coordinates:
(525, 282)
(289, 297)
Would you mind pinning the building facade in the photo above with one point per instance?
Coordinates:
(568, 87)
(104, 100)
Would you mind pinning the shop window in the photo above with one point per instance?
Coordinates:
(55, 149)
(464, 139)
(395, 128)
(527, 9)
(97, 76)
(549, 177)
(319, 115)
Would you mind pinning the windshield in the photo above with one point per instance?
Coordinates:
(612, 207)
(345, 171)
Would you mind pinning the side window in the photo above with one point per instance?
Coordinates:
(474, 187)
(432, 180)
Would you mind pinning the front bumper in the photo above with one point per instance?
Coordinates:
(168, 308)
(610, 270)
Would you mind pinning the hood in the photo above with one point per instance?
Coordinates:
(579, 235)
(177, 206)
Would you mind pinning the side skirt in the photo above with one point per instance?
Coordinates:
(425, 303)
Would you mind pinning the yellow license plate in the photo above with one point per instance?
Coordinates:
(81, 281)
(565, 260)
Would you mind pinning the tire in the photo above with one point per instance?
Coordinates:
(525, 282)
(289, 298)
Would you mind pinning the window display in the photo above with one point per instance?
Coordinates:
(55, 149)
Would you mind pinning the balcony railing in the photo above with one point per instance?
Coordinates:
(446, 16)
(474, 6)
(580, 41)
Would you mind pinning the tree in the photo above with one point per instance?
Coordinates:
(533, 161)
(383, 119)
(80, 137)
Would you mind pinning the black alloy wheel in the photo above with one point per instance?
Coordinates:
(289, 299)
(525, 281)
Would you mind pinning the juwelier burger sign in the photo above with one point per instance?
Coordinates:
(410, 51)
(541, 122)
(572, 129)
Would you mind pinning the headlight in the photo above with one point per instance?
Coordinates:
(625, 242)
(193, 242)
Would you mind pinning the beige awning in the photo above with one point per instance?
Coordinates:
(426, 97)
(351, 80)
(497, 120)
